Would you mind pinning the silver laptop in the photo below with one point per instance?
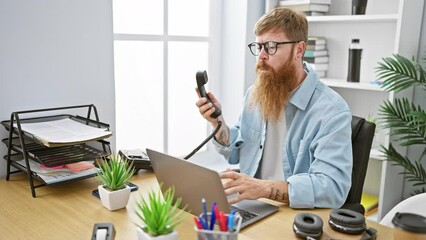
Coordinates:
(193, 183)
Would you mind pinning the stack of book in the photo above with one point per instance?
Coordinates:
(316, 54)
(370, 203)
(308, 7)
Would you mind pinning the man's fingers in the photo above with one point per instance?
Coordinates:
(236, 199)
(229, 174)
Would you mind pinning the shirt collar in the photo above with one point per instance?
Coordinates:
(303, 94)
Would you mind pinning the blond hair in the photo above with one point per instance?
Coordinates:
(292, 23)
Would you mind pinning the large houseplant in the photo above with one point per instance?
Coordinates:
(114, 172)
(407, 121)
(159, 215)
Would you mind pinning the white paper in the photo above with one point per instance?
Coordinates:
(212, 160)
(53, 176)
(64, 131)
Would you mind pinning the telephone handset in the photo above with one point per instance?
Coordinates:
(201, 81)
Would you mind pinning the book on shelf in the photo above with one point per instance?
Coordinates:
(319, 66)
(328, 2)
(302, 6)
(316, 40)
(313, 13)
(63, 132)
(315, 47)
(315, 53)
(370, 203)
(320, 59)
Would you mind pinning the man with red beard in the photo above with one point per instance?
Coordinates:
(293, 138)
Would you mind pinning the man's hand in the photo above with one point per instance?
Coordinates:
(247, 187)
(206, 108)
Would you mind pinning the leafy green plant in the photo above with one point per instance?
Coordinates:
(158, 214)
(407, 121)
(114, 172)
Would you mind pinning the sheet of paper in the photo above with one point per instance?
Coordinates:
(212, 160)
(56, 176)
(64, 132)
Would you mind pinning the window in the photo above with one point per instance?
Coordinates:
(158, 48)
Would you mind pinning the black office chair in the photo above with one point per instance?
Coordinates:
(362, 138)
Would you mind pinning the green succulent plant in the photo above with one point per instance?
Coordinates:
(407, 121)
(114, 172)
(158, 213)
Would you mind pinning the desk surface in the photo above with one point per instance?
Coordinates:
(69, 211)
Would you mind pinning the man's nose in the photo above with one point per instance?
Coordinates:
(262, 54)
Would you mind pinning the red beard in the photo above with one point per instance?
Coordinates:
(272, 88)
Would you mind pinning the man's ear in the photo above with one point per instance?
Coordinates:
(300, 49)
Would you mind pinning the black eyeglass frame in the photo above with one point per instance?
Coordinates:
(264, 45)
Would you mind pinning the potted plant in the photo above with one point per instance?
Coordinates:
(407, 121)
(114, 172)
(159, 216)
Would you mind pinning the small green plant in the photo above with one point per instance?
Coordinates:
(158, 214)
(114, 172)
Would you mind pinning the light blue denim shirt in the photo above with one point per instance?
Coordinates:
(317, 159)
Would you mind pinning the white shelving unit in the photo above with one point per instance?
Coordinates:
(388, 27)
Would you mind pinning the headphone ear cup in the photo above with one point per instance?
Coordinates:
(307, 225)
(347, 221)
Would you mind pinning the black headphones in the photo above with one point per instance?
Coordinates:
(347, 221)
(307, 225)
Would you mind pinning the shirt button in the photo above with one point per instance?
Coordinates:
(261, 146)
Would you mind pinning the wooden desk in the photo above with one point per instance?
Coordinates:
(69, 211)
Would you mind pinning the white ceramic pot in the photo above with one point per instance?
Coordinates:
(145, 236)
(114, 200)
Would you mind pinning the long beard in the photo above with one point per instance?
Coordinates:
(272, 88)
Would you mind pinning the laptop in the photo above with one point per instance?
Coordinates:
(192, 183)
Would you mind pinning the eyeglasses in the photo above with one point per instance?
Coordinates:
(270, 47)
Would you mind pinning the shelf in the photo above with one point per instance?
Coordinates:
(26, 152)
(376, 154)
(51, 157)
(341, 83)
(354, 18)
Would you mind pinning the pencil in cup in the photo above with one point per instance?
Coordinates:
(217, 233)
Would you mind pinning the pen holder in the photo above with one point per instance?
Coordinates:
(216, 233)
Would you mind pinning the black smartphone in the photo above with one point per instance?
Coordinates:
(202, 79)
(133, 187)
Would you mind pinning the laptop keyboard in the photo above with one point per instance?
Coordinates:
(246, 215)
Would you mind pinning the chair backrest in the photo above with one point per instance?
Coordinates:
(362, 139)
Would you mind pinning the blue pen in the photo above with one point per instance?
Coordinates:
(203, 223)
(213, 216)
(231, 221)
(203, 202)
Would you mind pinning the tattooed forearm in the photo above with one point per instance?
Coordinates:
(278, 195)
(223, 136)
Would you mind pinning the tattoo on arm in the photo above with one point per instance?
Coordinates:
(223, 137)
(277, 195)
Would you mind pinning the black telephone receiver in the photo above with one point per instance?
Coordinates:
(201, 80)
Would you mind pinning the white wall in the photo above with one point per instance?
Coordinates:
(233, 58)
(419, 98)
(237, 63)
(55, 53)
